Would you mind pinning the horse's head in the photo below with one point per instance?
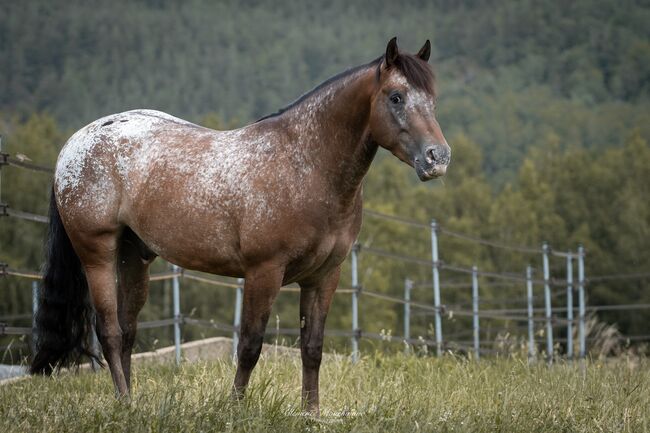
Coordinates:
(402, 118)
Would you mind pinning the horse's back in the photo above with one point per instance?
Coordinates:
(155, 173)
(108, 158)
(128, 130)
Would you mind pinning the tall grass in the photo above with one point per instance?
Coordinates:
(380, 393)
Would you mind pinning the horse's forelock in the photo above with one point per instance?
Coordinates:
(417, 72)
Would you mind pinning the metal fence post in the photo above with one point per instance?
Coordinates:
(475, 323)
(34, 312)
(581, 301)
(355, 303)
(436, 286)
(0, 170)
(531, 325)
(547, 305)
(237, 321)
(569, 305)
(408, 285)
(177, 313)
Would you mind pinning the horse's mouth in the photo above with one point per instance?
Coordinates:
(433, 172)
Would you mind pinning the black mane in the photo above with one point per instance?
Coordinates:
(417, 72)
(320, 87)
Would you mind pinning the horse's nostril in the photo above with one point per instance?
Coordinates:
(437, 155)
(431, 156)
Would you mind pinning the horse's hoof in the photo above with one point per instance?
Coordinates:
(237, 394)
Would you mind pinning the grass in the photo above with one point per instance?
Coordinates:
(383, 393)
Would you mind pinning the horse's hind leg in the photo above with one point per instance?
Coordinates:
(98, 255)
(133, 286)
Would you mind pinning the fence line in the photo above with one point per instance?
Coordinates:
(4, 270)
(497, 314)
(453, 309)
(509, 276)
(488, 314)
(7, 211)
(397, 300)
(27, 165)
(612, 307)
(518, 248)
(404, 258)
(396, 218)
(161, 276)
(632, 276)
(356, 333)
(466, 237)
(443, 266)
(156, 323)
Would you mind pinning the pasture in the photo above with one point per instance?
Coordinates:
(380, 393)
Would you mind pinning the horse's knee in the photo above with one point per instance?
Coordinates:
(312, 354)
(249, 349)
(111, 338)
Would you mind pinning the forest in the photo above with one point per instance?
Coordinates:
(546, 106)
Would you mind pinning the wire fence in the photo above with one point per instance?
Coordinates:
(525, 318)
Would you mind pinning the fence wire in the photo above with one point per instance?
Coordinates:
(7, 211)
(15, 162)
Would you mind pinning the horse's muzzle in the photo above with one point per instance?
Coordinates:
(433, 162)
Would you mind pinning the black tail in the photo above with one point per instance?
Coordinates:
(63, 320)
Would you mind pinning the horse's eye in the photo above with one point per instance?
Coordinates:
(396, 98)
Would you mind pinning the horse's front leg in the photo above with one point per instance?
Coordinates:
(260, 289)
(315, 299)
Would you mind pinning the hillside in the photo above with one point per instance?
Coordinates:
(510, 73)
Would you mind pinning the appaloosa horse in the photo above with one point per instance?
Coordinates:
(275, 202)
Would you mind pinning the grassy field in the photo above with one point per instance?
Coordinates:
(381, 393)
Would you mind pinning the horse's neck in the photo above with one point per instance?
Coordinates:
(332, 128)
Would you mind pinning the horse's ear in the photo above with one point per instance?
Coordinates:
(391, 52)
(425, 51)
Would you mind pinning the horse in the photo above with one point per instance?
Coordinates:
(275, 202)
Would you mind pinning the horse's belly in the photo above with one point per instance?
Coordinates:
(189, 237)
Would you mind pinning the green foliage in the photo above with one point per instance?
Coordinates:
(510, 73)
